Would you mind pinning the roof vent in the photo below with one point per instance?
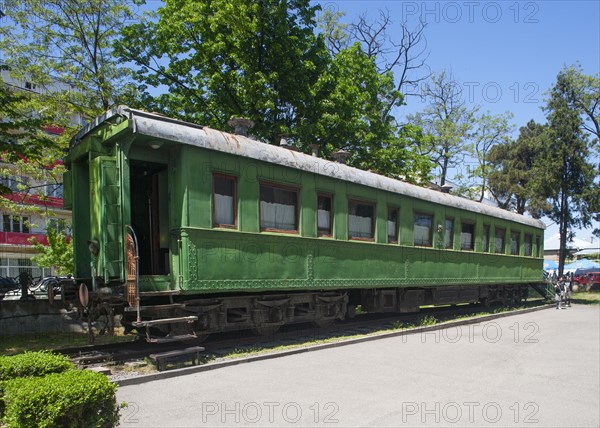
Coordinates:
(315, 149)
(283, 142)
(240, 125)
(341, 156)
(446, 188)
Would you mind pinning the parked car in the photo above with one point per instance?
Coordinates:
(7, 285)
(588, 280)
(41, 287)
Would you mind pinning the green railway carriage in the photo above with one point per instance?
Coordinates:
(234, 233)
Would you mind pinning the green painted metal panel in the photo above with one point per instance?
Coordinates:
(107, 215)
(227, 261)
(81, 217)
(67, 198)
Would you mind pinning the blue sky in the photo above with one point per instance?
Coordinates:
(506, 53)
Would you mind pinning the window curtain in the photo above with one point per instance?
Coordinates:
(224, 209)
(422, 230)
(277, 216)
(449, 234)
(499, 242)
(391, 229)
(324, 220)
(360, 227)
(422, 235)
(466, 240)
(528, 245)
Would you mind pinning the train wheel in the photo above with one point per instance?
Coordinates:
(266, 330)
(485, 301)
(201, 337)
(198, 339)
(323, 323)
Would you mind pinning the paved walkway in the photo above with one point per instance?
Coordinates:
(540, 369)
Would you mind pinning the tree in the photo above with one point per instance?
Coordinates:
(59, 251)
(63, 50)
(28, 150)
(352, 98)
(585, 97)
(488, 131)
(563, 173)
(511, 163)
(263, 60)
(21, 133)
(447, 121)
(64, 47)
(405, 57)
(256, 59)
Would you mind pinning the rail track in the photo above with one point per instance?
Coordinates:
(221, 344)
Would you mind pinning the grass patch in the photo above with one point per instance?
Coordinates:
(12, 345)
(586, 298)
(427, 320)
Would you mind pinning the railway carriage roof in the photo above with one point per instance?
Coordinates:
(157, 126)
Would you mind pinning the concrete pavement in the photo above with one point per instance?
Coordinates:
(537, 369)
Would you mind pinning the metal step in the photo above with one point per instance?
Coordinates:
(544, 290)
(167, 339)
(156, 307)
(159, 293)
(150, 323)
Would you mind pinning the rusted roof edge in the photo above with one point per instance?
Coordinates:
(155, 125)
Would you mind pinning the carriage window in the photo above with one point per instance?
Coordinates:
(224, 201)
(324, 215)
(467, 233)
(486, 239)
(392, 225)
(361, 219)
(423, 230)
(278, 208)
(499, 241)
(537, 246)
(527, 245)
(449, 233)
(514, 243)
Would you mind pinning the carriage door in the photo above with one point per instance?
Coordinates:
(150, 215)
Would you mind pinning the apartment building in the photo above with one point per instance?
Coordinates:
(40, 201)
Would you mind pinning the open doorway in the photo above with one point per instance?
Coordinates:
(150, 215)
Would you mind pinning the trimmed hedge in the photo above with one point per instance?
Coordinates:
(75, 398)
(32, 364)
(29, 364)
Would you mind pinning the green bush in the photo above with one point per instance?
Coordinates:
(2, 383)
(75, 398)
(33, 364)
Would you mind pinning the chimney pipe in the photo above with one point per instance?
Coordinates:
(283, 142)
(240, 125)
(315, 149)
(341, 156)
(446, 188)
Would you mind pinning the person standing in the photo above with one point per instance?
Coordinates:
(558, 289)
(568, 289)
